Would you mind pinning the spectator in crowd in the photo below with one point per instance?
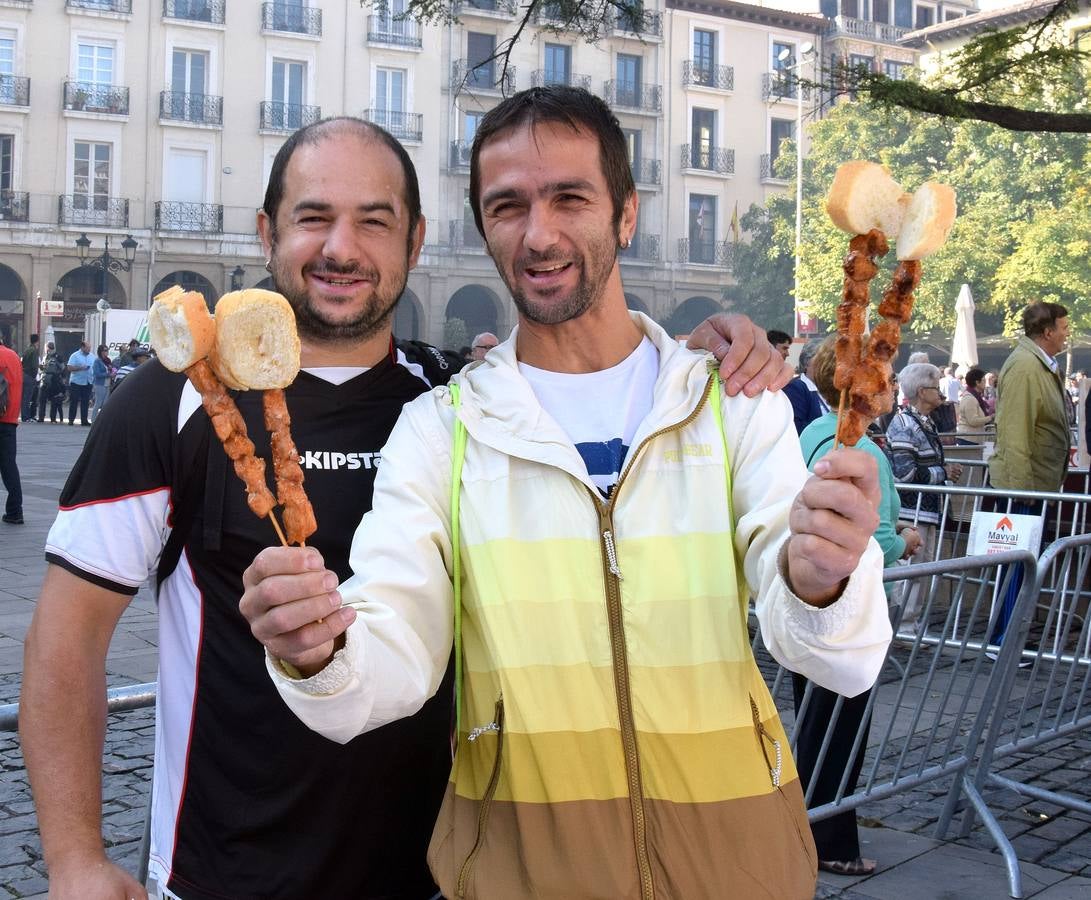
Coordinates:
(807, 402)
(917, 458)
(482, 344)
(836, 837)
(137, 357)
(1032, 424)
(52, 388)
(972, 415)
(952, 386)
(11, 368)
(127, 357)
(988, 393)
(102, 375)
(781, 341)
(549, 522)
(79, 383)
(467, 354)
(31, 359)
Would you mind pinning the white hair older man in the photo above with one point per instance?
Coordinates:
(482, 344)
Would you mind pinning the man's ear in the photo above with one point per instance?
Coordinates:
(418, 241)
(265, 232)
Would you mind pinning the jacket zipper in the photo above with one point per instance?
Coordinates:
(612, 578)
(497, 725)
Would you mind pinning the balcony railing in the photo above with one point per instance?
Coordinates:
(719, 160)
(782, 86)
(92, 209)
(460, 155)
(638, 21)
(484, 78)
(116, 6)
(201, 109)
(844, 26)
(15, 90)
(394, 32)
(405, 126)
(647, 171)
(628, 95)
(279, 116)
(15, 206)
(768, 171)
(294, 18)
(174, 215)
(707, 253)
(721, 78)
(643, 248)
(463, 235)
(504, 9)
(100, 98)
(211, 11)
(543, 77)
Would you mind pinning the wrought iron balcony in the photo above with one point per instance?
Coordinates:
(504, 9)
(279, 116)
(294, 18)
(463, 235)
(721, 78)
(92, 209)
(174, 215)
(844, 26)
(201, 109)
(542, 77)
(15, 206)
(647, 171)
(100, 98)
(707, 253)
(460, 155)
(483, 78)
(644, 248)
(14, 90)
(394, 32)
(719, 160)
(768, 168)
(405, 126)
(211, 11)
(782, 86)
(117, 6)
(639, 21)
(627, 95)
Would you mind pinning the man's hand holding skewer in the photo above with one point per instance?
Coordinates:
(831, 521)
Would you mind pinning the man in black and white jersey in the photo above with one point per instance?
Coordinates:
(248, 802)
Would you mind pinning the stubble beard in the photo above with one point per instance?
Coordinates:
(310, 321)
(589, 287)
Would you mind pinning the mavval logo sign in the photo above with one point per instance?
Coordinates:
(992, 532)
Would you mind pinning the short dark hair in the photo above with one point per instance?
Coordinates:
(580, 110)
(778, 337)
(974, 377)
(34, 339)
(326, 128)
(1039, 316)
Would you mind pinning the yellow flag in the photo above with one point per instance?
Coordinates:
(735, 222)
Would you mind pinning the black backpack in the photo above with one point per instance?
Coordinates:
(4, 394)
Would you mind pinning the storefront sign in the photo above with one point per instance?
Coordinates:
(52, 307)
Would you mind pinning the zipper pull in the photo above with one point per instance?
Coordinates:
(611, 554)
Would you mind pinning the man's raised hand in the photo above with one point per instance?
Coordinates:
(748, 362)
(292, 604)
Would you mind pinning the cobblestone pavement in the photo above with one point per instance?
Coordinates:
(1053, 844)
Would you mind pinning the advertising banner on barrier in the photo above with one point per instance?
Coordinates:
(993, 532)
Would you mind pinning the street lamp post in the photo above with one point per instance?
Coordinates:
(237, 276)
(805, 49)
(105, 261)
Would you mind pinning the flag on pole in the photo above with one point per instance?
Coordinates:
(735, 223)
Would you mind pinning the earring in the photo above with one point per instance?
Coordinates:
(625, 242)
(268, 265)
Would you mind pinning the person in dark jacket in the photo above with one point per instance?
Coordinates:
(802, 392)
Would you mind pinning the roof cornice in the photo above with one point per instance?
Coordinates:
(760, 15)
(979, 22)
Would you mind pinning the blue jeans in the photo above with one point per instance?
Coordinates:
(9, 471)
(1018, 508)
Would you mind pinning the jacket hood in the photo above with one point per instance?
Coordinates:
(499, 407)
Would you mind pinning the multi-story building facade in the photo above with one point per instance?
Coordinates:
(156, 123)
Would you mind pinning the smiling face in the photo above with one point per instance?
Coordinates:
(340, 249)
(548, 220)
(1055, 337)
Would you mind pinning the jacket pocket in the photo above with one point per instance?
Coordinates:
(496, 725)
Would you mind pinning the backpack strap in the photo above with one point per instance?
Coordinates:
(458, 456)
(822, 443)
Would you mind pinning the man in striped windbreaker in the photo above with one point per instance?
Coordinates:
(615, 510)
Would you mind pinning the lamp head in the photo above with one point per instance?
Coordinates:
(129, 246)
(83, 244)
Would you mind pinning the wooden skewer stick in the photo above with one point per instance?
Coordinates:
(276, 527)
(840, 413)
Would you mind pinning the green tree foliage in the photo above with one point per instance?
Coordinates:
(455, 336)
(764, 265)
(1023, 226)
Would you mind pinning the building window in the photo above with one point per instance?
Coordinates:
(390, 99)
(91, 176)
(628, 80)
(391, 17)
(7, 67)
(881, 11)
(470, 121)
(558, 64)
(287, 107)
(850, 9)
(704, 56)
(95, 63)
(7, 161)
(702, 228)
(950, 15)
(923, 16)
(862, 62)
(895, 69)
(480, 50)
(703, 142)
(782, 60)
(779, 130)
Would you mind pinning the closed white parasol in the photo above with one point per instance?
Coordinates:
(964, 345)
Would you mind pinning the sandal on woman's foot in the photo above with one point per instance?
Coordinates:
(852, 867)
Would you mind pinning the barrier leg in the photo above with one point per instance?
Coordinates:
(1011, 861)
(145, 842)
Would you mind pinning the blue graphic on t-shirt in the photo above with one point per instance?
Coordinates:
(604, 460)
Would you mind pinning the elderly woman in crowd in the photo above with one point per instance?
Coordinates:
(917, 458)
(973, 413)
(836, 838)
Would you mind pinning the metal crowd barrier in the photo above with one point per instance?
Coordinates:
(1042, 688)
(924, 719)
